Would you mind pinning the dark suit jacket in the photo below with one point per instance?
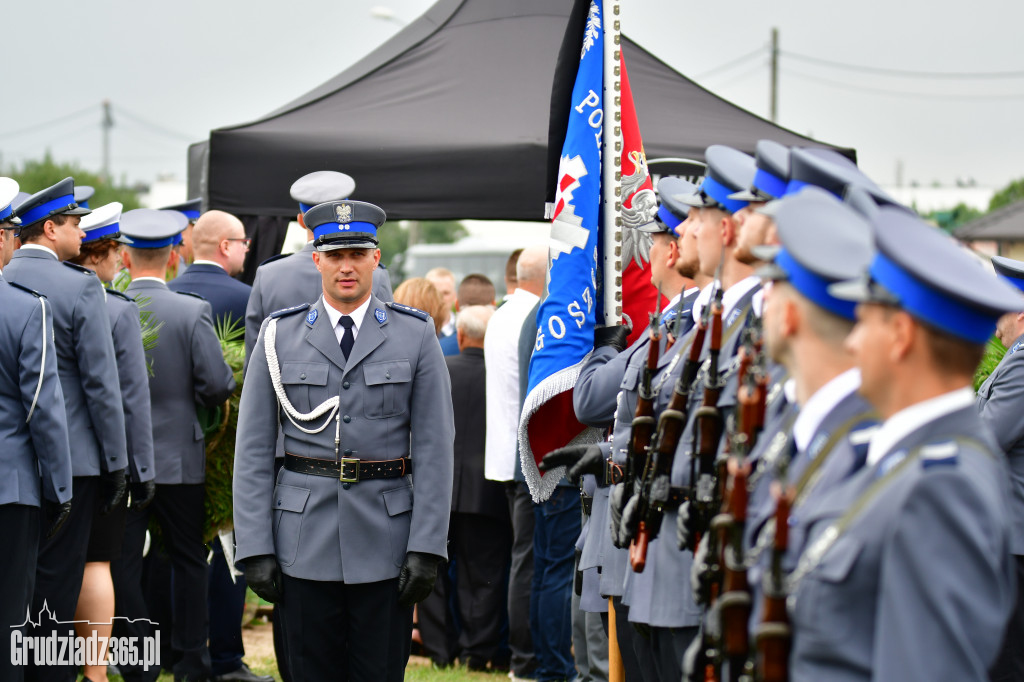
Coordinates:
(472, 493)
(225, 294)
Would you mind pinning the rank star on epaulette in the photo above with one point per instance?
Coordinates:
(344, 213)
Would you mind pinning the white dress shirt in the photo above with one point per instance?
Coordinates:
(821, 403)
(357, 315)
(909, 419)
(501, 359)
(40, 247)
(730, 298)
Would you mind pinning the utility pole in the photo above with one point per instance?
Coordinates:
(106, 124)
(774, 103)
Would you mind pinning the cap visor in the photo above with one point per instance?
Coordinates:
(765, 252)
(746, 195)
(654, 227)
(770, 209)
(78, 210)
(858, 290)
(771, 271)
(121, 239)
(334, 246)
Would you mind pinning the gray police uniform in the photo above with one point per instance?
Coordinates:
(95, 419)
(393, 400)
(188, 366)
(878, 604)
(132, 376)
(35, 458)
(290, 281)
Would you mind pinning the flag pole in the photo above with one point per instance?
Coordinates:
(611, 166)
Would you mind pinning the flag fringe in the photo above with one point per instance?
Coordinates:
(541, 487)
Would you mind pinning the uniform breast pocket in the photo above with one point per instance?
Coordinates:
(388, 388)
(828, 601)
(305, 383)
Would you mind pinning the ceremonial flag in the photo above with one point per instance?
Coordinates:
(565, 320)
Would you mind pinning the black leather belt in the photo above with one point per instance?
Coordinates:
(588, 503)
(349, 469)
(676, 496)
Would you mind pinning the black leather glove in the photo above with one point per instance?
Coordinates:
(617, 501)
(54, 516)
(581, 459)
(685, 531)
(142, 493)
(630, 521)
(416, 580)
(263, 575)
(614, 336)
(113, 486)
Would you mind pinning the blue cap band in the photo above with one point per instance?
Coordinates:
(139, 243)
(43, 210)
(769, 184)
(920, 300)
(814, 286)
(305, 207)
(720, 193)
(83, 204)
(669, 218)
(101, 232)
(1018, 283)
(6, 213)
(192, 215)
(327, 229)
(795, 186)
(176, 239)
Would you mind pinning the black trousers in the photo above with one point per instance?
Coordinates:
(634, 648)
(668, 647)
(1009, 667)
(480, 547)
(19, 536)
(226, 603)
(520, 579)
(60, 568)
(179, 512)
(348, 633)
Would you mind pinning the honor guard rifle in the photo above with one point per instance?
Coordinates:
(773, 634)
(654, 487)
(643, 425)
(708, 426)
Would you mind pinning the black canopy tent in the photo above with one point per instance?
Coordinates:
(449, 120)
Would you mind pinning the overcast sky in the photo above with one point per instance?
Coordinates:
(175, 70)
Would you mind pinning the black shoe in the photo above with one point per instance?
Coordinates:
(243, 674)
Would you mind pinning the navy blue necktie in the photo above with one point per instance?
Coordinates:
(348, 338)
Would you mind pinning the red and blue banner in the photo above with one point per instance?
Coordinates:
(566, 318)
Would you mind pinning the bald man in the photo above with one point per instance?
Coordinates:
(220, 245)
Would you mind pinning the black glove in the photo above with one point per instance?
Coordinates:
(263, 575)
(686, 533)
(617, 501)
(581, 459)
(113, 486)
(630, 522)
(143, 493)
(416, 581)
(614, 336)
(54, 516)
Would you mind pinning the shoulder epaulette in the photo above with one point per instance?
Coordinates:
(76, 266)
(25, 288)
(289, 311)
(940, 454)
(382, 266)
(408, 310)
(120, 294)
(274, 258)
(190, 293)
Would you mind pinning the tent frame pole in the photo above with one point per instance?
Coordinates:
(611, 165)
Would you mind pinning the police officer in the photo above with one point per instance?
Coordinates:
(188, 367)
(101, 253)
(289, 280)
(87, 367)
(907, 572)
(360, 390)
(35, 458)
(999, 403)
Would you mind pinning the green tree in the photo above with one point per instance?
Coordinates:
(35, 175)
(1007, 195)
(953, 218)
(394, 239)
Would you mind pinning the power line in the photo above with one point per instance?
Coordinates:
(728, 65)
(742, 75)
(156, 127)
(52, 122)
(901, 93)
(902, 72)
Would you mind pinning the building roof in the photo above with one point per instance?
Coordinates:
(1004, 224)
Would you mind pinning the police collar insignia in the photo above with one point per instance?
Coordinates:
(1016, 347)
(380, 315)
(311, 317)
(344, 213)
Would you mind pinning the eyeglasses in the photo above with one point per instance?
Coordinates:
(246, 241)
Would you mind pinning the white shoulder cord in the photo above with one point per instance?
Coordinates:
(329, 406)
(42, 365)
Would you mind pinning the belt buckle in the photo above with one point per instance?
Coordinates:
(354, 461)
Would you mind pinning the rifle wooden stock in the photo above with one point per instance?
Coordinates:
(638, 548)
(773, 634)
(642, 429)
